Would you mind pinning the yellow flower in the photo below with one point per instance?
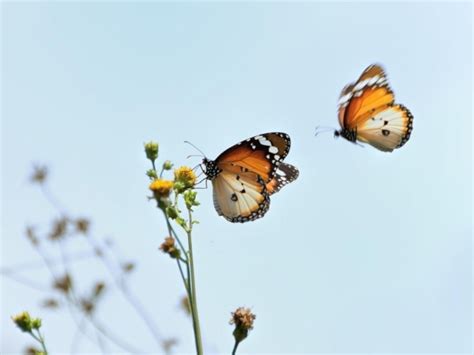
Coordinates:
(185, 178)
(23, 321)
(161, 188)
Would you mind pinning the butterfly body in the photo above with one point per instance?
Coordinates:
(368, 112)
(244, 176)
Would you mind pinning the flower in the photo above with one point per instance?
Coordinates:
(151, 150)
(31, 350)
(168, 344)
(50, 303)
(98, 288)
(87, 306)
(161, 188)
(167, 165)
(151, 173)
(190, 199)
(169, 247)
(128, 266)
(243, 319)
(186, 305)
(36, 323)
(82, 225)
(185, 178)
(63, 284)
(39, 175)
(23, 321)
(59, 229)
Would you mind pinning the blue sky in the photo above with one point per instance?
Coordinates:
(366, 252)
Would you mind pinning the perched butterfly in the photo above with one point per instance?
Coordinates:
(368, 113)
(245, 175)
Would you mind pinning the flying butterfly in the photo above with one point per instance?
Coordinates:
(245, 175)
(368, 112)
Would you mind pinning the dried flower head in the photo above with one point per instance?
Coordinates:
(59, 229)
(50, 303)
(31, 350)
(128, 266)
(243, 319)
(98, 289)
(39, 175)
(169, 247)
(161, 188)
(186, 305)
(87, 306)
(82, 225)
(185, 178)
(168, 344)
(63, 284)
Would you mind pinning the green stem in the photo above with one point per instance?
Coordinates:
(185, 281)
(193, 300)
(234, 351)
(43, 344)
(39, 338)
(173, 233)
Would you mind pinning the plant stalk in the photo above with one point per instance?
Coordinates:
(192, 281)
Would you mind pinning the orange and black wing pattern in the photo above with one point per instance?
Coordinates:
(245, 175)
(285, 174)
(368, 113)
(260, 154)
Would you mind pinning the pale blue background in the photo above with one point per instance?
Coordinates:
(366, 252)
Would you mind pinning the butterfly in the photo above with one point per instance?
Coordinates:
(245, 175)
(368, 113)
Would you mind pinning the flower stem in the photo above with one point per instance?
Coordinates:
(234, 351)
(39, 338)
(193, 300)
(43, 345)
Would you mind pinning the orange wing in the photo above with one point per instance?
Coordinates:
(367, 110)
(285, 174)
(261, 154)
(362, 99)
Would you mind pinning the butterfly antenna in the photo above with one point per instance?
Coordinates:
(199, 150)
(197, 164)
(323, 129)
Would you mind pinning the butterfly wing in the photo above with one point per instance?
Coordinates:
(261, 154)
(367, 107)
(387, 129)
(240, 196)
(285, 174)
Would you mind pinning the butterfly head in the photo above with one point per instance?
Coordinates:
(350, 135)
(210, 168)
